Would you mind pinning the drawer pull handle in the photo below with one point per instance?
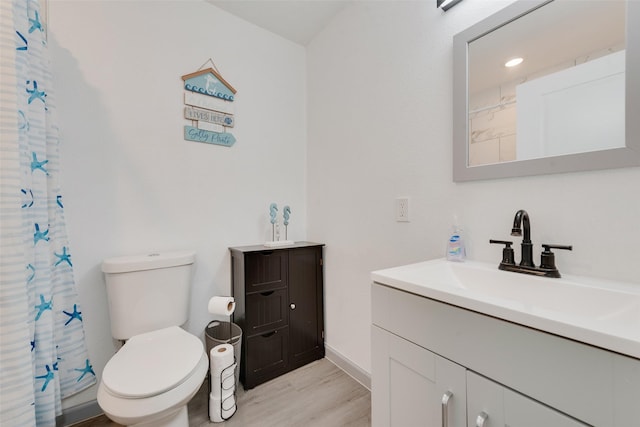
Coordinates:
(269, 334)
(445, 408)
(293, 306)
(481, 419)
(266, 294)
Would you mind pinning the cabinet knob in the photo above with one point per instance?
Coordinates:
(293, 306)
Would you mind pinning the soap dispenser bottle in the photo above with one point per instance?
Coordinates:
(455, 246)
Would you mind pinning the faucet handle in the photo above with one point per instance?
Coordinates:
(547, 247)
(501, 242)
(548, 259)
(507, 252)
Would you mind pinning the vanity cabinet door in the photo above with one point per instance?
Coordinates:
(484, 400)
(410, 382)
(500, 406)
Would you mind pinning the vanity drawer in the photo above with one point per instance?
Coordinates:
(266, 270)
(266, 311)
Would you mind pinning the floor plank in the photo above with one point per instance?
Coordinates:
(316, 395)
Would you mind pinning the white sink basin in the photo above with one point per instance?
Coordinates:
(540, 293)
(602, 313)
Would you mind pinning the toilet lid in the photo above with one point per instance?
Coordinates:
(152, 363)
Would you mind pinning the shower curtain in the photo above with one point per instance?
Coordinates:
(43, 355)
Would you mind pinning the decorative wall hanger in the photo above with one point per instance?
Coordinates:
(208, 100)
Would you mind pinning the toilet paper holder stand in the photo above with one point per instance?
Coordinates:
(225, 410)
(224, 374)
(224, 306)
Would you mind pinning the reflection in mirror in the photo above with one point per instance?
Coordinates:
(565, 95)
(571, 104)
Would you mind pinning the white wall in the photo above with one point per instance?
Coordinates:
(131, 183)
(379, 112)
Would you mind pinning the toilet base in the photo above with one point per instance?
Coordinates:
(180, 418)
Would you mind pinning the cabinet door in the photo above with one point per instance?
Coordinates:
(484, 399)
(305, 305)
(409, 385)
(505, 407)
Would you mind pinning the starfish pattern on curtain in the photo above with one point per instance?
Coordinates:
(44, 356)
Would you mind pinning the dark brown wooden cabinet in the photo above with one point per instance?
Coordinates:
(279, 306)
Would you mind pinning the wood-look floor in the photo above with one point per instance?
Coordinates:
(316, 395)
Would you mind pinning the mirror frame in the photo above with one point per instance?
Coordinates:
(604, 159)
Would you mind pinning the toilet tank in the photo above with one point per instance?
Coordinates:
(148, 292)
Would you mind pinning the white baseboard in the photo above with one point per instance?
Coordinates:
(347, 365)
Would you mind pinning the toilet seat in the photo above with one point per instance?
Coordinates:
(152, 363)
(149, 411)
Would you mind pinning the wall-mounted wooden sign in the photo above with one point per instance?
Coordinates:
(208, 116)
(209, 82)
(201, 135)
(208, 100)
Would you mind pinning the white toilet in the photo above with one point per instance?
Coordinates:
(150, 380)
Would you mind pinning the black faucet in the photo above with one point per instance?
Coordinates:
(547, 259)
(522, 217)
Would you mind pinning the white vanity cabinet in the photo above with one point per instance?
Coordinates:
(516, 375)
(412, 386)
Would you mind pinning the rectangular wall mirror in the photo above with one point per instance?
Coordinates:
(571, 102)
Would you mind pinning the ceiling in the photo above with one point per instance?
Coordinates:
(545, 40)
(295, 20)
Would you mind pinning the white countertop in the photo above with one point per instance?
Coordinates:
(602, 313)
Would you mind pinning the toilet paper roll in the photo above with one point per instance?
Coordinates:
(221, 409)
(228, 403)
(221, 357)
(215, 409)
(227, 413)
(222, 306)
(228, 381)
(227, 394)
(221, 366)
(224, 384)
